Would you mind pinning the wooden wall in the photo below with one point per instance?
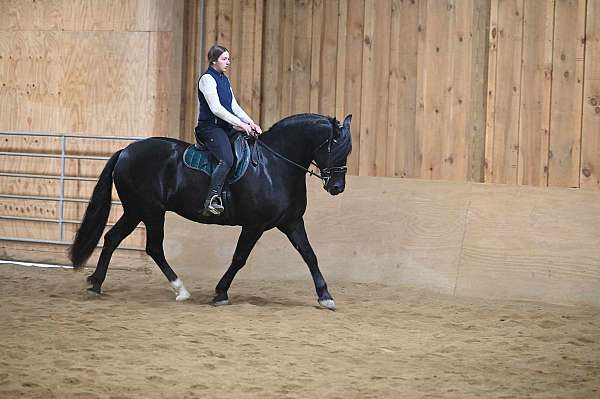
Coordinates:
(501, 91)
(411, 72)
(540, 82)
(107, 68)
(100, 68)
(497, 91)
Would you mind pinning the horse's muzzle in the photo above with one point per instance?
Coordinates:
(336, 189)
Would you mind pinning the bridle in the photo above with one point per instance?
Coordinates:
(327, 172)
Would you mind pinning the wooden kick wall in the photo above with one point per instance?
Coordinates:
(94, 68)
(464, 239)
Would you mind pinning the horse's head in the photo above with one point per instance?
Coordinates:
(331, 156)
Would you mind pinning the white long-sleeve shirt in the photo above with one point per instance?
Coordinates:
(208, 87)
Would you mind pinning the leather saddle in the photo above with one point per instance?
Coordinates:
(199, 158)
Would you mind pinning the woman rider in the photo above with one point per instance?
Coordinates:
(219, 112)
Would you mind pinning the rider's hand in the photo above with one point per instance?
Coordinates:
(255, 127)
(245, 127)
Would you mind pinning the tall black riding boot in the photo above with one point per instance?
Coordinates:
(214, 204)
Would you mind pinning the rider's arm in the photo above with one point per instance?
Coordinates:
(235, 107)
(208, 88)
(238, 111)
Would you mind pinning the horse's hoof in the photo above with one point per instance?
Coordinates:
(327, 304)
(220, 299)
(221, 302)
(183, 296)
(92, 292)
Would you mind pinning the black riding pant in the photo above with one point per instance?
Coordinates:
(217, 142)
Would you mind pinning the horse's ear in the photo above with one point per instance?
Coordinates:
(346, 124)
(347, 121)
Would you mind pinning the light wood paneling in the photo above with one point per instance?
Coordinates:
(328, 60)
(477, 104)
(369, 95)
(272, 70)
(463, 239)
(316, 54)
(286, 47)
(353, 70)
(534, 129)
(502, 135)
(547, 78)
(325, 50)
(390, 63)
(531, 243)
(391, 84)
(590, 143)
(435, 56)
(257, 60)
(87, 15)
(340, 78)
(193, 60)
(455, 146)
(401, 154)
(567, 91)
(301, 59)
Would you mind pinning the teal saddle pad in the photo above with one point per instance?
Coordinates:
(201, 159)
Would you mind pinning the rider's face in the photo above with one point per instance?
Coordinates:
(222, 62)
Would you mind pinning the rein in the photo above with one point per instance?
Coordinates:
(292, 162)
(325, 172)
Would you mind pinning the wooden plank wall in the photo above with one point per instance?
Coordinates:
(474, 90)
(412, 73)
(81, 67)
(541, 93)
(590, 140)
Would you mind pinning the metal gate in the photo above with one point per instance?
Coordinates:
(61, 199)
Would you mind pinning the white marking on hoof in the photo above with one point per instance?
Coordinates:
(327, 304)
(221, 303)
(181, 294)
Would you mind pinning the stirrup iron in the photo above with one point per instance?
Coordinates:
(215, 205)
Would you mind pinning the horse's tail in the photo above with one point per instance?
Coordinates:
(95, 218)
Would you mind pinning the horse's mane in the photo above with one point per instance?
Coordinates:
(300, 118)
(342, 146)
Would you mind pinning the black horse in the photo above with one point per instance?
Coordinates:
(151, 178)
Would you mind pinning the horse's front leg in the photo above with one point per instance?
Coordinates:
(296, 233)
(247, 240)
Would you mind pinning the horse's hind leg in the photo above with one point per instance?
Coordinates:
(246, 242)
(124, 226)
(296, 233)
(155, 233)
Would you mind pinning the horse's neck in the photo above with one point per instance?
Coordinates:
(295, 145)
